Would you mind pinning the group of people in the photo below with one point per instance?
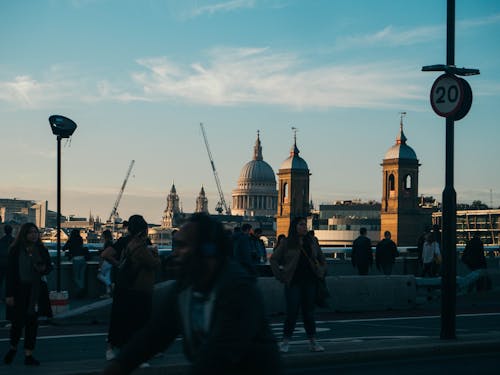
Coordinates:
(214, 302)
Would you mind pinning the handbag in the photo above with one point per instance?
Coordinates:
(322, 292)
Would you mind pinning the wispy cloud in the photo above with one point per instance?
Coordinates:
(235, 76)
(226, 6)
(399, 36)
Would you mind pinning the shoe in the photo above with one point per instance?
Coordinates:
(29, 360)
(284, 346)
(110, 354)
(315, 347)
(9, 357)
(144, 365)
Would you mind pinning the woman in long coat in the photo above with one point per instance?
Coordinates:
(298, 262)
(25, 294)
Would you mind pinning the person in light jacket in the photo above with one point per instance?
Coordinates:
(298, 262)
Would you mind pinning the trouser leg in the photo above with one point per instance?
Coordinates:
(292, 298)
(308, 295)
(31, 329)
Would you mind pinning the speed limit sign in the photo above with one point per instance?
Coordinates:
(451, 96)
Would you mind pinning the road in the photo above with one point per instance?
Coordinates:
(87, 342)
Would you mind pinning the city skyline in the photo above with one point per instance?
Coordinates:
(139, 77)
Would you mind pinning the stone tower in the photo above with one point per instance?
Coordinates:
(401, 214)
(202, 202)
(172, 210)
(293, 190)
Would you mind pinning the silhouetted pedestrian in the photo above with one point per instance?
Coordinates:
(133, 292)
(258, 247)
(298, 262)
(214, 304)
(104, 272)
(27, 263)
(79, 255)
(5, 243)
(361, 256)
(242, 248)
(431, 256)
(386, 253)
(473, 255)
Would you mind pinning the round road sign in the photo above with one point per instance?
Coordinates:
(450, 95)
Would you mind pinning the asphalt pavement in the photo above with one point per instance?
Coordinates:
(355, 343)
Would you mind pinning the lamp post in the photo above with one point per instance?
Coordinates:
(62, 127)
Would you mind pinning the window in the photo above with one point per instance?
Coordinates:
(391, 183)
(407, 183)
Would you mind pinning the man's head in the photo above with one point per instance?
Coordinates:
(362, 231)
(257, 232)
(245, 228)
(200, 247)
(387, 235)
(137, 226)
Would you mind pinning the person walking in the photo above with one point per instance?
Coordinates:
(242, 248)
(5, 243)
(79, 255)
(386, 253)
(104, 272)
(298, 262)
(431, 256)
(361, 256)
(214, 305)
(133, 293)
(27, 263)
(258, 247)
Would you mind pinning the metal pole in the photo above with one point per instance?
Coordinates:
(448, 278)
(58, 265)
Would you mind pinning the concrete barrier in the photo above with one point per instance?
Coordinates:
(371, 293)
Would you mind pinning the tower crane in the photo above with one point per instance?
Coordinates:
(221, 204)
(114, 212)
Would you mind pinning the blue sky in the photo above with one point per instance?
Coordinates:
(139, 76)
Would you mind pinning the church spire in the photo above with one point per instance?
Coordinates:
(257, 150)
(294, 151)
(401, 138)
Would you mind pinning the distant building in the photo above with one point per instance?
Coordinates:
(20, 211)
(256, 194)
(293, 190)
(202, 202)
(172, 212)
(400, 211)
(339, 223)
(485, 223)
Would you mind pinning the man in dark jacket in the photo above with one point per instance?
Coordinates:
(5, 243)
(242, 249)
(361, 256)
(385, 254)
(473, 255)
(214, 304)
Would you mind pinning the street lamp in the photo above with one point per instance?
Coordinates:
(62, 127)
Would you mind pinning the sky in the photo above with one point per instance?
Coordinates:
(138, 77)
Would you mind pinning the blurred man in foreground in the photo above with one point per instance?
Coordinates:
(214, 304)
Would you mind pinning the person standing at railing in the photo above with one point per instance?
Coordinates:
(385, 254)
(104, 274)
(79, 256)
(431, 256)
(361, 255)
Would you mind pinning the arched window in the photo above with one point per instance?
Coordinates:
(407, 182)
(285, 192)
(392, 186)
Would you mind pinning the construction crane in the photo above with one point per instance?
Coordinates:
(221, 204)
(114, 212)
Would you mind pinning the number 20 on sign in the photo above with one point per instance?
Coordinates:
(451, 96)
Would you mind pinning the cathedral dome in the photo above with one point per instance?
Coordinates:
(256, 194)
(401, 150)
(257, 171)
